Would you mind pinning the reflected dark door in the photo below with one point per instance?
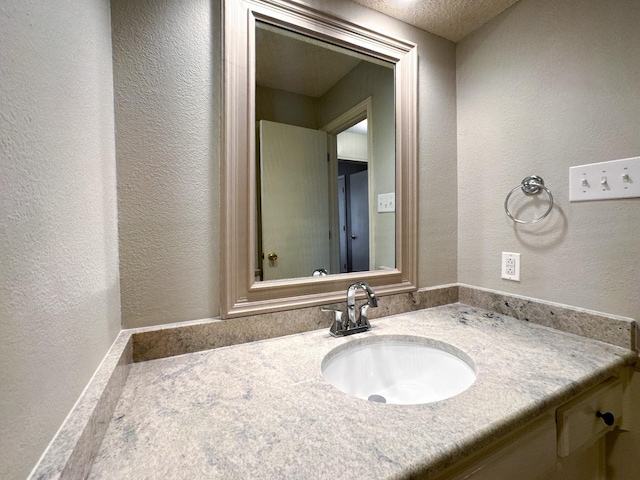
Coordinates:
(342, 220)
(358, 223)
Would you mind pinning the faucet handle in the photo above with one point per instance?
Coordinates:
(334, 310)
(362, 318)
(337, 325)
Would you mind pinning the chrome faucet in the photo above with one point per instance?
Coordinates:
(351, 324)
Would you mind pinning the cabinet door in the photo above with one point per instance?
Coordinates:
(623, 446)
(587, 463)
(531, 456)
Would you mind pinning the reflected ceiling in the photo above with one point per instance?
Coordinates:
(316, 69)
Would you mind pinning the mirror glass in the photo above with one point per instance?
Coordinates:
(325, 158)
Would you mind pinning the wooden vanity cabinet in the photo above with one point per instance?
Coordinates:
(567, 443)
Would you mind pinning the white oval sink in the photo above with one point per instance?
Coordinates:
(399, 369)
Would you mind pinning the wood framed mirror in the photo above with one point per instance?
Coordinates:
(247, 288)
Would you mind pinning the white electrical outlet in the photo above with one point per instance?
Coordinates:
(511, 266)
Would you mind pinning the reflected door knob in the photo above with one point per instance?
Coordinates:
(353, 237)
(272, 256)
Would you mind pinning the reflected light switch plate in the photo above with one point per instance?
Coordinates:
(387, 202)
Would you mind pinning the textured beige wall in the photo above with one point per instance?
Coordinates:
(167, 96)
(59, 293)
(167, 109)
(544, 86)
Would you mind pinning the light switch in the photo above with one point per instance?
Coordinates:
(605, 180)
(387, 202)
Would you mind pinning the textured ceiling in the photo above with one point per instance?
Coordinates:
(451, 19)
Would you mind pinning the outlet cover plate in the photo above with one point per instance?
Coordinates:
(511, 266)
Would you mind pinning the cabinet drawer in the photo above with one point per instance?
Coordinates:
(577, 422)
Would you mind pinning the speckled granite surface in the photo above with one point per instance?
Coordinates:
(612, 329)
(263, 410)
(187, 337)
(71, 453)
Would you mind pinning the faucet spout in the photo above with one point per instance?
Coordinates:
(372, 301)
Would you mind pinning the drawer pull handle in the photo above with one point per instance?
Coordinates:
(606, 417)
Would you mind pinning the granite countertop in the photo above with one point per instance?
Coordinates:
(263, 409)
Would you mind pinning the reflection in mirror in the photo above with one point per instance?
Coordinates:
(325, 158)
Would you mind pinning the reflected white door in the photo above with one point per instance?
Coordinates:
(294, 200)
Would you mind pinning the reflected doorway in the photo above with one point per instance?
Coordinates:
(352, 153)
(353, 205)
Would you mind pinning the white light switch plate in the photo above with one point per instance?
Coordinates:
(605, 180)
(387, 202)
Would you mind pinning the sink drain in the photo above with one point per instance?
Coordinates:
(377, 398)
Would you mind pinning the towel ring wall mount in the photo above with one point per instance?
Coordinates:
(531, 185)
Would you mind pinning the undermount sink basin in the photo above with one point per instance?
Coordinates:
(399, 369)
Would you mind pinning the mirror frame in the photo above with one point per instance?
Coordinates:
(241, 294)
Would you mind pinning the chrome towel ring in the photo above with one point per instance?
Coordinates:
(531, 185)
